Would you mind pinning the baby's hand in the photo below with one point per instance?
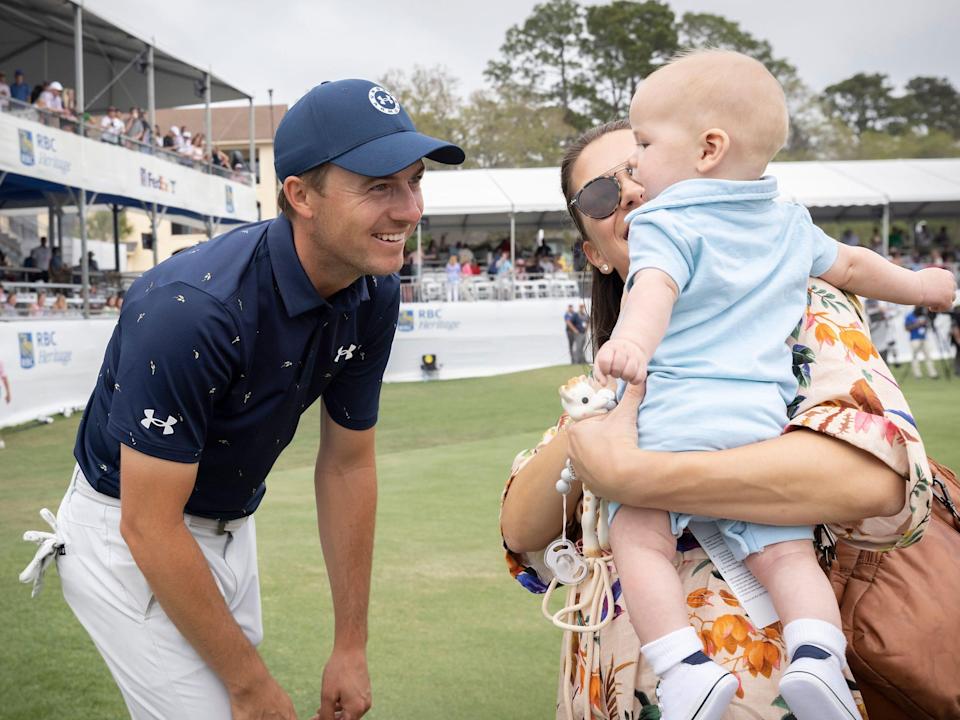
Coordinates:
(620, 358)
(938, 288)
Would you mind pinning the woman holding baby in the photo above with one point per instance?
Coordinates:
(849, 466)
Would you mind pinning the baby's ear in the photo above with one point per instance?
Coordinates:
(713, 147)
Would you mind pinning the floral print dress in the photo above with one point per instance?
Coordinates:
(846, 391)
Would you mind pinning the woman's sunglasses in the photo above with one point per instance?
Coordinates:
(601, 196)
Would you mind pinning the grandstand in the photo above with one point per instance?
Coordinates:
(57, 161)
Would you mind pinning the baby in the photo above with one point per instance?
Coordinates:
(717, 281)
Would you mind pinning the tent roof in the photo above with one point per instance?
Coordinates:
(832, 190)
(37, 36)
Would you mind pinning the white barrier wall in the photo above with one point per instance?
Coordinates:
(474, 339)
(52, 365)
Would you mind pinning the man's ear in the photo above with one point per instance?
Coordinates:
(296, 191)
(713, 148)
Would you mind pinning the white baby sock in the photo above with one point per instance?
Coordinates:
(691, 684)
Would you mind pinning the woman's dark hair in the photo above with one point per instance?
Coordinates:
(606, 287)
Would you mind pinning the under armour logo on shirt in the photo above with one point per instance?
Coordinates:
(346, 354)
(149, 420)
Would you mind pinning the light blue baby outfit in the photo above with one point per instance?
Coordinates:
(722, 376)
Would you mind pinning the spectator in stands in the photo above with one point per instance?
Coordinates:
(504, 266)
(921, 236)
(849, 237)
(4, 92)
(198, 149)
(452, 269)
(111, 126)
(133, 128)
(92, 262)
(876, 240)
(186, 142)
(470, 267)
(59, 306)
(918, 323)
(10, 305)
(41, 258)
(20, 90)
(39, 308)
(158, 136)
(51, 100)
(942, 240)
(56, 266)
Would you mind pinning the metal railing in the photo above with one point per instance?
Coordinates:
(91, 129)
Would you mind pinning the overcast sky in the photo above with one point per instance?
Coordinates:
(291, 45)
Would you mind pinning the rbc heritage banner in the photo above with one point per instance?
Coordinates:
(50, 365)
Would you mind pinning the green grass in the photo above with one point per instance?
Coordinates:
(452, 635)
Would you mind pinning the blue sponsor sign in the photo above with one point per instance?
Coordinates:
(27, 359)
(27, 156)
(405, 321)
(230, 206)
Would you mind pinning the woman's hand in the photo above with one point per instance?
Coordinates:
(598, 445)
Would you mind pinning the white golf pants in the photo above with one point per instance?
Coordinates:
(159, 673)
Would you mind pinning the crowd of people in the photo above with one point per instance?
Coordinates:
(132, 130)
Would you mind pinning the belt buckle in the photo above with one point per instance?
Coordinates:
(222, 527)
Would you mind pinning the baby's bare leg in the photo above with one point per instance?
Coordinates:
(690, 683)
(813, 683)
(644, 549)
(797, 585)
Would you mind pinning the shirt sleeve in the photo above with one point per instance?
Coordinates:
(353, 397)
(657, 242)
(847, 391)
(823, 248)
(179, 350)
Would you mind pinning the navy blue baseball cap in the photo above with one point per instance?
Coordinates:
(357, 125)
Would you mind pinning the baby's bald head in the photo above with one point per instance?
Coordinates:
(703, 89)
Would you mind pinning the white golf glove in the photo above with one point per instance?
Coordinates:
(50, 545)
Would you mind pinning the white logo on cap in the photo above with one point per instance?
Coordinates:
(383, 101)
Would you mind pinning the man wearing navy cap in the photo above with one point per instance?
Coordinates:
(216, 354)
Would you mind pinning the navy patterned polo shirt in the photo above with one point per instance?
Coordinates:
(216, 354)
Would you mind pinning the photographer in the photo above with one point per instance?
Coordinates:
(919, 324)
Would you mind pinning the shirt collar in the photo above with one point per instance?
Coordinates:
(298, 293)
(703, 191)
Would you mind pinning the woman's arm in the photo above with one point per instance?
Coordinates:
(789, 480)
(530, 515)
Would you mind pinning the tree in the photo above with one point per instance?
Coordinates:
(863, 102)
(505, 131)
(540, 59)
(429, 95)
(626, 41)
(931, 104)
(100, 225)
(705, 30)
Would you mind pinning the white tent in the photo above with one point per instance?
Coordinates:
(874, 189)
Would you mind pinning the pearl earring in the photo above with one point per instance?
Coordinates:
(604, 268)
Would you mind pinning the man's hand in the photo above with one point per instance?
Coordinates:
(596, 444)
(345, 694)
(621, 358)
(263, 700)
(938, 288)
